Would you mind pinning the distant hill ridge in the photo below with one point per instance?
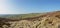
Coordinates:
(40, 20)
(37, 15)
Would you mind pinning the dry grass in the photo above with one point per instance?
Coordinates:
(50, 20)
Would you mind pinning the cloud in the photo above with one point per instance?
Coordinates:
(4, 7)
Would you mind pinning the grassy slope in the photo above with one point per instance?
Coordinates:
(52, 20)
(19, 16)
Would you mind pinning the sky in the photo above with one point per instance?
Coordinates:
(28, 6)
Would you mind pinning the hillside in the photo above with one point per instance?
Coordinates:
(40, 20)
(20, 16)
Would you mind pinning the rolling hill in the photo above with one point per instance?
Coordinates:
(33, 20)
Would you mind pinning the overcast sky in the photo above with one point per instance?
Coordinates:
(28, 6)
